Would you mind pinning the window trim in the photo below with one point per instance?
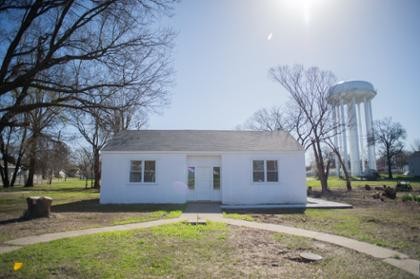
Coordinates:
(142, 171)
(265, 172)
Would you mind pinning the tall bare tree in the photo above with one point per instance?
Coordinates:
(272, 119)
(83, 51)
(42, 123)
(289, 118)
(83, 158)
(312, 114)
(96, 132)
(389, 136)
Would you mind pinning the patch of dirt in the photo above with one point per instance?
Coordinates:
(392, 223)
(59, 222)
(260, 255)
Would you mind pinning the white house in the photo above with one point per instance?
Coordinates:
(177, 166)
(414, 163)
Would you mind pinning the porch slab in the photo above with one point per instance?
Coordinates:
(320, 203)
(311, 203)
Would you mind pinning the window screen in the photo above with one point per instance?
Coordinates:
(272, 171)
(149, 171)
(258, 170)
(135, 171)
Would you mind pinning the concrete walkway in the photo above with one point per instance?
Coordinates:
(15, 244)
(212, 212)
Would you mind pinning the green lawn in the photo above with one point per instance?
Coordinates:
(180, 250)
(73, 190)
(74, 207)
(238, 216)
(336, 183)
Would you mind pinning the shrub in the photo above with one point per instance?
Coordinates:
(407, 197)
(403, 186)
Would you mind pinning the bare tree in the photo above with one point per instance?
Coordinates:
(267, 120)
(96, 132)
(312, 114)
(42, 123)
(82, 51)
(84, 159)
(12, 151)
(389, 136)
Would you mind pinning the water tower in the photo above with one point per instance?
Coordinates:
(353, 136)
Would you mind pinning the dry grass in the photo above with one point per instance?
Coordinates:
(74, 207)
(390, 223)
(185, 251)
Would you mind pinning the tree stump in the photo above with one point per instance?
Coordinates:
(38, 207)
(389, 193)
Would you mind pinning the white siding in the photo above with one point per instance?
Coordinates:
(414, 165)
(237, 186)
(170, 186)
(240, 189)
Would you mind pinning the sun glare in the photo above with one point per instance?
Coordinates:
(301, 8)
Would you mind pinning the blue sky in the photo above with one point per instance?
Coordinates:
(222, 56)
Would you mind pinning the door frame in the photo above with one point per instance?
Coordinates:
(204, 161)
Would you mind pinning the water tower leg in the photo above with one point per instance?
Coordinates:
(344, 136)
(361, 143)
(370, 136)
(336, 121)
(354, 140)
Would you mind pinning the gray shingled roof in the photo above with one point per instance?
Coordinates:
(201, 140)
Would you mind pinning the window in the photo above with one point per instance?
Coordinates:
(265, 171)
(191, 177)
(272, 171)
(135, 171)
(216, 178)
(258, 170)
(143, 171)
(149, 171)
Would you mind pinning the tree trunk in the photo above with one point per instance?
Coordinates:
(5, 175)
(343, 165)
(327, 171)
(388, 159)
(31, 172)
(5, 168)
(96, 169)
(19, 159)
(346, 174)
(32, 161)
(320, 166)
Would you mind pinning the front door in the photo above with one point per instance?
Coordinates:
(203, 184)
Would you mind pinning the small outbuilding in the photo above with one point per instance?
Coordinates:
(178, 166)
(414, 164)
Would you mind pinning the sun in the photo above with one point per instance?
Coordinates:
(301, 8)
